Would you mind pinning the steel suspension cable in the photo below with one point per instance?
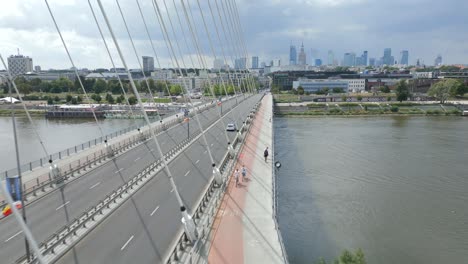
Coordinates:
(111, 59)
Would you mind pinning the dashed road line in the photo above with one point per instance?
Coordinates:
(187, 173)
(196, 162)
(13, 236)
(126, 243)
(95, 185)
(119, 170)
(154, 211)
(62, 206)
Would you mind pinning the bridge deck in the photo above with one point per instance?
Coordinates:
(244, 230)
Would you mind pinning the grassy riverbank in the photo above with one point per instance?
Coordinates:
(21, 112)
(369, 109)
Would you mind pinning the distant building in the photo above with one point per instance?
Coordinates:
(148, 64)
(404, 57)
(388, 59)
(331, 58)
(372, 62)
(37, 68)
(438, 60)
(363, 59)
(276, 63)
(19, 64)
(255, 62)
(292, 55)
(240, 64)
(302, 60)
(263, 65)
(314, 85)
(218, 64)
(318, 62)
(349, 59)
(162, 75)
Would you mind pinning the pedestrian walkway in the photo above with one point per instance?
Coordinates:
(244, 230)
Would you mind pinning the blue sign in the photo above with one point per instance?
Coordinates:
(14, 188)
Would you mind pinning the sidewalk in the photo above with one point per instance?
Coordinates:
(244, 229)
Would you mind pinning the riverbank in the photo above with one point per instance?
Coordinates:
(20, 112)
(367, 109)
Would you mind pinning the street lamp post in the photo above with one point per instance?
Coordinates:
(19, 167)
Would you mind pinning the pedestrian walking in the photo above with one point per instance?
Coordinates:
(236, 176)
(244, 172)
(265, 154)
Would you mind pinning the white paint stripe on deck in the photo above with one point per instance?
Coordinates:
(95, 185)
(13, 236)
(154, 211)
(62, 206)
(126, 243)
(187, 173)
(119, 170)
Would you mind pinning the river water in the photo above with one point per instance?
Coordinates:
(397, 187)
(57, 135)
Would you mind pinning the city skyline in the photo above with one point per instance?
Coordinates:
(425, 33)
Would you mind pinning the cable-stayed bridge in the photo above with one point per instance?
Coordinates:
(152, 195)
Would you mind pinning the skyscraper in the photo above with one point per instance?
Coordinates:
(292, 55)
(388, 59)
(240, 64)
(318, 62)
(148, 64)
(364, 58)
(302, 56)
(371, 61)
(254, 62)
(19, 64)
(349, 59)
(438, 60)
(331, 58)
(404, 57)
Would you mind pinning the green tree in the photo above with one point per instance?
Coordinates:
(69, 98)
(119, 99)
(132, 100)
(402, 91)
(459, 88)
(24, 88)
(338, 90)
(176, 89)
(385, 89)
(343, 98)
(79, 99)
(110, 98)
(359, 98)
(57, 99)
(50, 101)
(74, 101)
(114, 87)
(97, 98)
(443, 89)
(230, 89)
(161, 86)
(275, 89)
(300, 90)
(100, 86)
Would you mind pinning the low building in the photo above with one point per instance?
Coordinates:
(313, 86)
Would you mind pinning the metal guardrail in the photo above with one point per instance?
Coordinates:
(274, 191)
(86, 145)
(70, 230)
(206, 209)
(43, 181)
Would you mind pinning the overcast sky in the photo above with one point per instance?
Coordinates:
(425, 28)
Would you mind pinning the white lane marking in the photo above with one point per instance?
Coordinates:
(211, 144)
(13, 236)
(204, 151)
(119, 170)
(154, 211)
(95, 185)
(196, 162)
(126, 243)
(137, 159)
(62, 206)
(151, 150)
(187, 173)
(172, 190)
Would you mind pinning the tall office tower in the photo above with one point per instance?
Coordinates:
(372, 62)
(218, 64)
(302, 60)
(292, 55)
(349, 59)
(148, 63)
(255, 62)
(364, 58)
(331, 58)
(240, 64)
(19, 64)
(438, 60)
(388, 59)
(404, 57)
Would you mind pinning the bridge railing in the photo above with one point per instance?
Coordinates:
(86, 145)
(69, 170)
(206, 209)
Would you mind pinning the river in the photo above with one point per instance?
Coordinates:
(57, 135)
(397, 187)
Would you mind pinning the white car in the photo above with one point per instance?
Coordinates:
(231, 127)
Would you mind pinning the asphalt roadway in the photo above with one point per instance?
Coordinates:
(192, 171)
